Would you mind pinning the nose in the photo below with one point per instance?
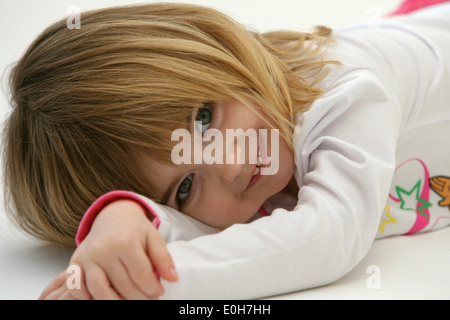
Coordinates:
(232, 162)
(229, 172)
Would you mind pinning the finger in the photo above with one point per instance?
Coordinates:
(121, 280)
(56, 283)
(98, 284)
(140, 271)
(56, 294)
(76, 283)
(435, 181)
(161, 258)
(68, 295)
(439, 182)
(436, 184)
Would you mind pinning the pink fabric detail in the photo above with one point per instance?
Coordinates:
(263, 212)
(408, 6)
(103, 201)
(421, 221)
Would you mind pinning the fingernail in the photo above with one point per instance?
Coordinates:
(173, 273)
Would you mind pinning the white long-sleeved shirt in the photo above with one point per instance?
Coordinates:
(372, 160)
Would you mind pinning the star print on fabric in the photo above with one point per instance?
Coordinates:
(387, 218)
(410, 200)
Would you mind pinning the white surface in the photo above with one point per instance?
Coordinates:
(27, 265)
(409, 267)
(412, 267)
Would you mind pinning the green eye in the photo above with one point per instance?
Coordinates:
(204, 117)
(184, 188)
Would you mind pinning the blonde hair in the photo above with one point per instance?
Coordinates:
(84, 100)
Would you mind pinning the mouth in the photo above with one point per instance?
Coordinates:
(258, 165)
(256, 172)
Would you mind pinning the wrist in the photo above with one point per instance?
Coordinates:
(119, 212)
(110, 198)
(126, 207)
(118, 215)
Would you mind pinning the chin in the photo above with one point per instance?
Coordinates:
(281, 183)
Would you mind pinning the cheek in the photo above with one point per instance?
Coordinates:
(287, 163)
(210, 207)
(286, 160)
(286, 166)
(222, 210)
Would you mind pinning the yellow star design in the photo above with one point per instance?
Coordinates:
(386, 214)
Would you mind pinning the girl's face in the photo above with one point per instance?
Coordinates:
(222, 194)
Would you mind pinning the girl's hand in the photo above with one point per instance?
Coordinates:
(120, 258)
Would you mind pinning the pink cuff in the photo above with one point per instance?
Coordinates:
(103, 201)
(262, 212)
(408, 6)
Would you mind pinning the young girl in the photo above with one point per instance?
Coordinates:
(363, 115)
